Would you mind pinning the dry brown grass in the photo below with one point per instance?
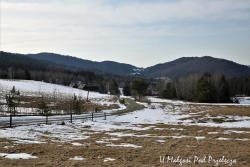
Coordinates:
(57, 154)
(61, 104)
(230, 110)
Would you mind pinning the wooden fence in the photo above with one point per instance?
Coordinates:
(16, 120)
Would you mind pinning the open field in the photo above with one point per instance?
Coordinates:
(135, 134)
(137, 138)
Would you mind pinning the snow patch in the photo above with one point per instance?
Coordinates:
(77, 158)
(231, 139)
(123, 145)
(17, 156)
(161, 141)
(33, 134)
(76, 144)
(108, 159)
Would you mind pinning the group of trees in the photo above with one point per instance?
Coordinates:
(240, 86)
(206, 88)
(209, 90)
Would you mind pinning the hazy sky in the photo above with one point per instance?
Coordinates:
(139, 32)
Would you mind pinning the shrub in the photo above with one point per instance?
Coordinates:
(122, 101)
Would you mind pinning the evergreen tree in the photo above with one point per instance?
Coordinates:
(13, 90)
(169, 92)
(126, 89)
(27, 75)
(223, 91)
(139, 88)
(13, 100)
(113, 88)
(205, 91)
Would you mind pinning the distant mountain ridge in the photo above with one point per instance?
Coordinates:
(189, 65)
(81, 64)
(173, 69)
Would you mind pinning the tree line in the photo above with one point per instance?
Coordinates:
(206, 88)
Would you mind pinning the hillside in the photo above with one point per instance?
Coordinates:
(35, 88)
(20, 66)
(81, 64)
(173, 69)
(198, 65)
(23, 62)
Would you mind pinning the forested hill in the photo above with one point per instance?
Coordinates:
(19, 66)
(20, 61)
(81, 64)
(197, 65)
(178, 68)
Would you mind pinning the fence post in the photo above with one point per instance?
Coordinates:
(71, 117)
(10, 121)
(92, 116)
(46, 119)
(105, 116)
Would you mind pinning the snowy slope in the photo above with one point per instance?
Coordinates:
(29, 87)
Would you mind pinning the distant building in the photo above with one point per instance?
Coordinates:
(77, 84)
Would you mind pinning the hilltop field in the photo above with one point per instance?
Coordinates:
(158, 133)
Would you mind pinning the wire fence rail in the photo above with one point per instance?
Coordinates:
(17, 120)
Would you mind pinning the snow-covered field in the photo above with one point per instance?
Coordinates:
(163, 122)
(151, 115)
(156, 113)
(242, 101)
(28, 87)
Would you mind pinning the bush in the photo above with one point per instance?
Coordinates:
(122, 101)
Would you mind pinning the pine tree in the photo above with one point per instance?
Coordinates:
(13, 100)
(169, 92)
(27, 75)
(223, 91)
(113, 88)
(139, 88)
(126, 89)
(205, 91)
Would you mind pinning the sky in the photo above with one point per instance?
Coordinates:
(138, 32)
